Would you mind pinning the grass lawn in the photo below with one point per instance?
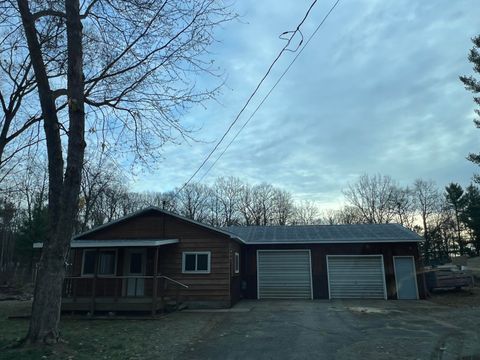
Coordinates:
(166, 337)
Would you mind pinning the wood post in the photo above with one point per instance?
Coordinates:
(74, 286)
(154, 285)
(94, 284)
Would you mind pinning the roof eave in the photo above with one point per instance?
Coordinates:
(155, 208)
(320, 242)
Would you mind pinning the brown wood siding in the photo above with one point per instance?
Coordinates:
(214, 286)
(235, 279)
(154, 225)
(319, 264)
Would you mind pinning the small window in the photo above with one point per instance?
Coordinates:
(136, 263)
(196, 262)
(88, 267)
(106, 262)
(237, 263)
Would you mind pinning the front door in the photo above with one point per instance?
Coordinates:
(405, 277)
(135, 260)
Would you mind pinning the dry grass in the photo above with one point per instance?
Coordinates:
(457, 298)
(166, 337)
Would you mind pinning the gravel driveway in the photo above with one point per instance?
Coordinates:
(336, 330)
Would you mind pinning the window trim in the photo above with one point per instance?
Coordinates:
(209, 258)
(236, 263)
(97, 263)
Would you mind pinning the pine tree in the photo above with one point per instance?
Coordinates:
(456, 202)
(471, 216)
(473, 85)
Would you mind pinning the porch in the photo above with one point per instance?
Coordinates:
(121, 293)
(119, 275)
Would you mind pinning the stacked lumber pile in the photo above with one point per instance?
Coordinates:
(445, 278)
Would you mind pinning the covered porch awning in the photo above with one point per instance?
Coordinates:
(115, 243)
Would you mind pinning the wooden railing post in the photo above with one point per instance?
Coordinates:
(116, 290)
(94, 284)
(154, 285)
(74, 287)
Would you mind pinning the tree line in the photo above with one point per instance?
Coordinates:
(448, 218)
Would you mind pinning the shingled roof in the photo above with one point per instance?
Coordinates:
(329, 234)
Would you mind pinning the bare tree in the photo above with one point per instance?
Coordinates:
(18, 104)
(33, 185)
(428, 203)
(98, 175)
(228, 194)
(129, 65)
(193, 200)
(344, 215)
(404, 207)
(306, 213)
(246, 205)
(349, 215)
(263, 195)
(283, 207)
(110, 204)
(329, 217)
(374, 197)
(214, 210)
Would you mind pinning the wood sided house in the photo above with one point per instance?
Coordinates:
(142, 261)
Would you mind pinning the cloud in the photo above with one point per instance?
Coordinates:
(376, 91)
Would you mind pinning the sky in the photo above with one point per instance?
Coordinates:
(376, 91)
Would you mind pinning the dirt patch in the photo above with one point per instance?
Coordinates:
(457, 298)
(368, 310)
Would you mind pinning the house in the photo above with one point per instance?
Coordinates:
(144, 260)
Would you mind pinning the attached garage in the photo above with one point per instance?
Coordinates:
(357, 261)
(284, 274)
(356, 277)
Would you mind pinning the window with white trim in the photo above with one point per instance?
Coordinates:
(237, 263)
(107, 262)
(197, 262)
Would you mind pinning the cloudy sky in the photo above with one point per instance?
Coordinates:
(375, 91)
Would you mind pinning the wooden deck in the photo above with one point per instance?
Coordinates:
(113, 304)
(93, 294)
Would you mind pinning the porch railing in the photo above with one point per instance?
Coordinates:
(150, 288)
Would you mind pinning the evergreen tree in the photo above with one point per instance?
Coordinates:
(32, 229)
(473, 85)
(471, 216)
(456, 202)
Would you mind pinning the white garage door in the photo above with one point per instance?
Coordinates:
(284, 274)
(356, 277)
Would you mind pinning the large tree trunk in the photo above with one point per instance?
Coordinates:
(63, 190)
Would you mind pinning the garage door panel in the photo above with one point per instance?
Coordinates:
(284, 274)
(359, 277)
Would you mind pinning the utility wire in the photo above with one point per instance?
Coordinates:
(284, 49)
(271, 90)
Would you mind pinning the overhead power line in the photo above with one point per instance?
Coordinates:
(273, 88)
(282, 51)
